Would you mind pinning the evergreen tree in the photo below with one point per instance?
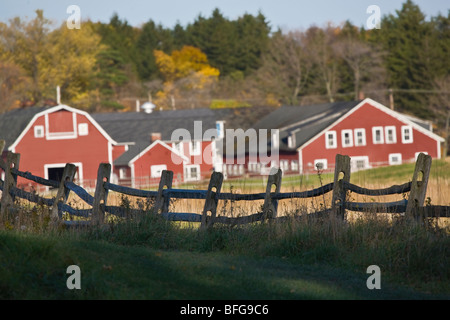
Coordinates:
(404, 37)
(152, 37)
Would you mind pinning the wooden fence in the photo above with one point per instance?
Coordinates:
(412, 207)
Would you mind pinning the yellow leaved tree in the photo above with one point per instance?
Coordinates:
(188, 78)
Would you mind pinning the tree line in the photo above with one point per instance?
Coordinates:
(218, 62)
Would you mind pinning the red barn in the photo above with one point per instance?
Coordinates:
(49, 137)
(152, 144)
(370, 133)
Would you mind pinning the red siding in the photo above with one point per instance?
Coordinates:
(117, 151)
(157, 155)
(60, 121)
(89, 150)
(367, 117)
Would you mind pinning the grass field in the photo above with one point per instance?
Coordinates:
(150, 258)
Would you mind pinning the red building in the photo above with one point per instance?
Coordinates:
(140, 145)
(370, 133)
(152, 145)
(47, 138)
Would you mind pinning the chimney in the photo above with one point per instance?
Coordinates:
(155, 136)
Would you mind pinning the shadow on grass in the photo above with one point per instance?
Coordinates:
(34, 267)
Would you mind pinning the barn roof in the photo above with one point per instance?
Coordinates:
(14, 122)
(137, 127)
(303, 121)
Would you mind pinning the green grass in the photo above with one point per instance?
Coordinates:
(154, 259)
(150, 258)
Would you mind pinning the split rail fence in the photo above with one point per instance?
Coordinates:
(411, 207)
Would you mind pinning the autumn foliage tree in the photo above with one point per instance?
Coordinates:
(186, 74)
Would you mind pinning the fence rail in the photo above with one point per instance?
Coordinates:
(413, 207)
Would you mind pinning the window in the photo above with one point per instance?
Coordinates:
(192, 172)
(294, 165)
(83, 129)
(395, 158)
(390, 134)
(330, 140)
(377, 135)
(194, 148)
(284, 165)
(360, 137)
(359, 163)
(254, 167)
(122, 173)
(38, 131)
(156, 170)
(347, 138)
(320, 164)
(407, 134)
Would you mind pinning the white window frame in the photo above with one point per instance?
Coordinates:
(354, 160)
(392, 155)
(350, 137)
(334, 145)
(157, 168)
(187, 172)
(324, 161)
(36, 132)
(198, 150)
(374, 135)
(61, 135)
(122, 173)
(294, 165)
(411, 139)
(83, 129)
(394, 134)
(284, 165)
(253, 167)
(363, 137)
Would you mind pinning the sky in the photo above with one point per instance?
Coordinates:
(284, 14)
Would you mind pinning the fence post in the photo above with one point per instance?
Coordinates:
(418, 187)
(12, 161)
(162, 202)
(270, 205)
(63, 191)
(2, 146)
(101, 194)
(212, 199)
(339, 192)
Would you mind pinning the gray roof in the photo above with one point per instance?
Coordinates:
(137, 127)
(13, 122)
(304, 122)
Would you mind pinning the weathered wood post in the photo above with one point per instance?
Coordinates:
(63, 192)
(212, 200)
(339, 192)
(418, 187)
(101, 193)
(12, 162)
(162, 202)
(270, 205)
